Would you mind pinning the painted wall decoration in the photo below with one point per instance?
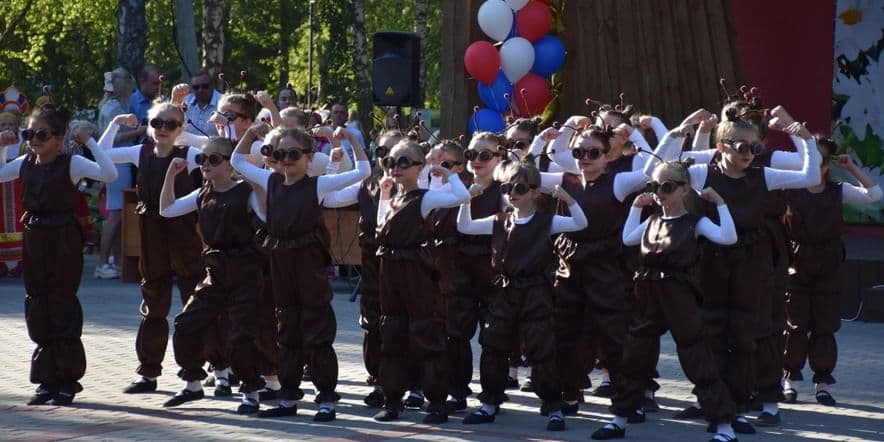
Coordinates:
(858, 94)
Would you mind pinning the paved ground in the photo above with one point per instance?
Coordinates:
(102, 412)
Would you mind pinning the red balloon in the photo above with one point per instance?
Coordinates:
(482, 61)
(537, 95)
(533, 21)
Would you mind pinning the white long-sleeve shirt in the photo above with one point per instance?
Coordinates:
(625, 183)
(452, 196)
(779, 159)
(102, 169)
(324, 185)
(724, 234)
(851, 194)
(485, 226)
(189, 203)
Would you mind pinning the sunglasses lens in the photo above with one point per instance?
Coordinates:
(403, 163)
(485, 156)
(594, 154)
(389, 162)
(470, 155)
(505, 188)
(381, 151)
(446, 165)
(267, 150)
(27, 134)
(294, 155)
(577, 153)
(667, 187)
(200, 159)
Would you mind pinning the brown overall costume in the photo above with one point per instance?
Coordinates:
(813, 306)
(299, 258)
(522, 311)
(233, 283)
(667, 298)
(169, 247)
(473, 293)
(53, 264)
(412, 309)
(591, 295)
(369, 300)
(268, 348)
(730, 279)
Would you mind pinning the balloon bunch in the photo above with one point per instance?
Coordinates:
(515, 79)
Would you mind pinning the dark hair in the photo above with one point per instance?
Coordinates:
(247, 102)
(524, 170)
(530, 125)
(603, 134)
(826, 146)
(678, 167)
(201, 73)
(623, 116)
(732, 119)
(146, 70)
(391, 133)
(225, 146)
(301, 137)
(56, 117)
(751, 111)
(453, 148)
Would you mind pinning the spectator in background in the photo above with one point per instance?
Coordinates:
(339, 118)
(118, 86)
(143, 97)
(201, 103)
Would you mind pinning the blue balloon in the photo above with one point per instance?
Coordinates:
(493, 95)
(549, 55)
(486, 120)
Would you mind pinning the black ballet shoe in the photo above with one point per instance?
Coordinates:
(742, 427)
(375, 399)
(637, 417)
(650, 405)
(555, 424)
(512, 383)
(209, 382)
(413, 401)
(608, 432)
(455, 405)
(823, 397)
(723, 438)
(436, 417)
(184, 396)
(142, 386)
(279, 411)
(691, 412)
(65, 396)
(571, 409)
(790, 395)
(604, 390)
(42, 396)
(267, 394)
(766, 419)
(387, 415)
(479, 417)
(324, 414)
(248, 407)
(222, 389)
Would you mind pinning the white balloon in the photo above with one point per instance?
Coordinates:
(496, 19)
(517, 4)
(516, 58)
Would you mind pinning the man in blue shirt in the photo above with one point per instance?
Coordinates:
(144, 95)
(201, 103)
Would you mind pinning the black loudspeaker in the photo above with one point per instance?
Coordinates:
(396, 69)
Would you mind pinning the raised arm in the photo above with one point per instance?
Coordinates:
(634, 228)
(342, 198)
(442, 198)
(574, 223)
(668, 149)
(240, 159)
(468, 226)
(626, 183)
(102, 169)
(267, 102)
(8, 171)
(169, 206)
(868, 193)
(725, 233)
(809, 175)
(192, 140)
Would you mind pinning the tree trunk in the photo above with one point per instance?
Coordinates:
(132, 39)
(420, 28)
(361, 68)
(286, 29)
(185, 33)
(213, 38)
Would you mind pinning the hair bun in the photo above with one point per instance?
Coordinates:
(732, 114)
(688, 162)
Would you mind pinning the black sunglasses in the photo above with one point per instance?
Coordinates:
(39, 135)
(744, 147)
(382, 151)
(290, 154)
(213, 159)
(197, 87)
(157, 123)
(479, 155)
(232, 116)
(593, 153)
(449, 164)
(518, 188)
(401, 163)
(665, 187)
(518, 144)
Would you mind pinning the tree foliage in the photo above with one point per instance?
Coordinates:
(69, 44)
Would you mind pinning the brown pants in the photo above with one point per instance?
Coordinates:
(670, 305)
(307, 324)
(268, 348)
(520, 314)
(169, 247)
(729, 279)
(770, 343)
(53, 264)
(412, 329)
(813, 310)
(591, 303)
(232, 284)
(370, 312)
(467, 308)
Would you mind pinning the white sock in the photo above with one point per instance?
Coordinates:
(697, 405)
(145, 379)
(488, 409)
(514, 372)
(329, 405)
(272, 382)
(571, 402)
(606, 377)
(556, 414)
(787, 384)
(649, 394)
(619, 421)
(193, 385)
(822, 386)
(726, 430)
(770, 407)
(528, 375)
(222, 374)
(250, 398)
(287, 403)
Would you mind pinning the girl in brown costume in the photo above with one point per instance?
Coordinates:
(812, 303)
(303, 297)
(732, 308)
(668, 299)
(169, 246)
(412, 309)
(53, 247)
(521, 253)
(233, 274)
